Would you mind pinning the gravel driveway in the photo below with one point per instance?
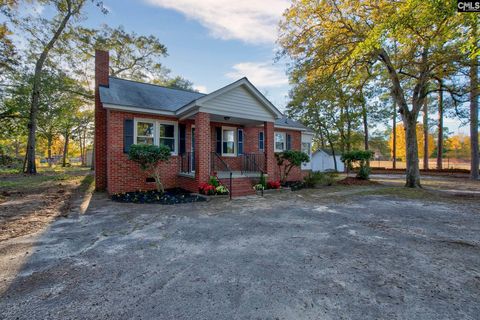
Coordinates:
(302, 255)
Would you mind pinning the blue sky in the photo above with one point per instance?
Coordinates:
(213, 42)
(210, 42)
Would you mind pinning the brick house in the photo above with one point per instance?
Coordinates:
(234, 129)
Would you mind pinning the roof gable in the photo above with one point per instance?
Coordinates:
(240, 98)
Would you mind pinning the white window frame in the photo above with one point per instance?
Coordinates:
(284, 134)
(263, 141)
(135, 129)
(156, 131)
(235, 138)
(175, 133)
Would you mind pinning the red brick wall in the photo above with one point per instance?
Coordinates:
(296, 173)
(202, 147)
(100, 148)
(269, 150)
(123, 174)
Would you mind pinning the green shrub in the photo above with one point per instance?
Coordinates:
(317, 178)
(214, 181)
(364, 172)
(258, 187)
(361, 157)
(263, 181)
(313, 179)
(221, 190)
(289, 159)
(149, 158)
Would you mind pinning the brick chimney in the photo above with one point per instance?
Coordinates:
(100, 148)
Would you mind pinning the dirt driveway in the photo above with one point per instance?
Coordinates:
(332, 253)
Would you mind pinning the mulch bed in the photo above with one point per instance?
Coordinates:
(352, 181)
(170, 196)
(294, 185)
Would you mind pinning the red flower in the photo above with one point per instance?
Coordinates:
(273, 185)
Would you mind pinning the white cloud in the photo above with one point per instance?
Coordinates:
(200, 88)
(261, 74)
(253, 21)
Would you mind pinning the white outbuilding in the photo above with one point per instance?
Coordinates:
(323, 160)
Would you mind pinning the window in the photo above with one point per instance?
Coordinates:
(228, 141)
(306, 148)
(261, 141)
(167, 135)
(156, 132)
(145, 132)
(240, 141)
(279, 141)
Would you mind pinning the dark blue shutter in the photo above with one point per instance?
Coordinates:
(218, 131)
(182, 137)
(289, 142)
(240, 141)
(127, 134)
(260, 141)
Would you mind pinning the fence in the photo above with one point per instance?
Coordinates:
(447, 163)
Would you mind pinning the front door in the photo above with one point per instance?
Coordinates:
(192, 153)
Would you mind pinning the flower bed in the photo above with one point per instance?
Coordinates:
(170, 196)
(213, 187)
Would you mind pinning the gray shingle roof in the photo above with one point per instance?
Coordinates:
(143, 95)
(287, 122)
(130, 93)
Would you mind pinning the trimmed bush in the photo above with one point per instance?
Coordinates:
(360, 157)
(149, 158)
(288, 160)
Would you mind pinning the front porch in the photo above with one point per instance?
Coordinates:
(240, 149)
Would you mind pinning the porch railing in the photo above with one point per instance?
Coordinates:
(253, 162)
(187, 162)
(217, 164)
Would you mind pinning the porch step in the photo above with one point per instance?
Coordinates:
(240, 186)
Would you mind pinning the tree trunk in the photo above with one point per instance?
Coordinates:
(474, 93)
(440, 127)
(349, 129)
(329, 139)
(394, 147)
(425, 135)
(365, 125)
(409, 117)
(31, 167)
(413, 170)
(49, 150)
(65, 149)
(322, 140)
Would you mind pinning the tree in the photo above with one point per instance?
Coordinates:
(177, 83)
(400, 137)
(362, 157)
(7, 48)
(84, 132)
(132, 56)
(330, 37)
(149, 158)
(474, 94)
(48, 34)
(288, 160)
